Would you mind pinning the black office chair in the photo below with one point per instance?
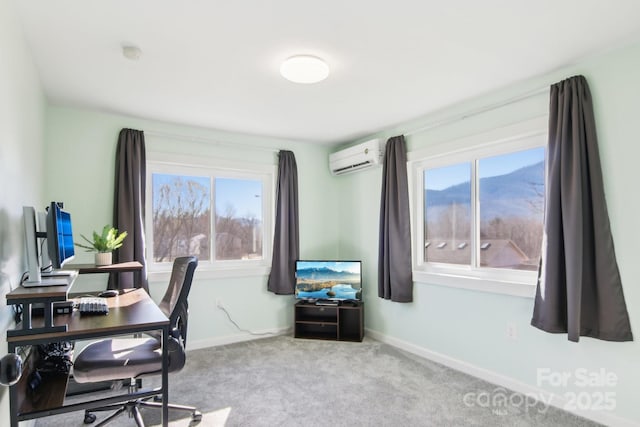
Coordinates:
(132, 358)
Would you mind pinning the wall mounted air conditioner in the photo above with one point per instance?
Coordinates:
(358, 157)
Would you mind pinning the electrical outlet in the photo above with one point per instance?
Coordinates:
(512, 331)
(218, 303)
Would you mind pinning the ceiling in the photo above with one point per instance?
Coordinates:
(215, 64)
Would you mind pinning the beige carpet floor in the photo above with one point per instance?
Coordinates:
(282, 381)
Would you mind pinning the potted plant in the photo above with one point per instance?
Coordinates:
(104, 244)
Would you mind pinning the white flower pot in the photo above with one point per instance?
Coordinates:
(104, 258)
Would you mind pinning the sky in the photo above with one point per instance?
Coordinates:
(244, 195)
(445, 177)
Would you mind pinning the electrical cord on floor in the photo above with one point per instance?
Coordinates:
(238, 326)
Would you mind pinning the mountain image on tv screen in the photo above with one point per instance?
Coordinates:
(339, 280)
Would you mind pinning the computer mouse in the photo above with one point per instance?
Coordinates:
(109, 293)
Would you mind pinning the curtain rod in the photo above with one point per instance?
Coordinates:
(420, 129)
(204, 140)
(453, 119)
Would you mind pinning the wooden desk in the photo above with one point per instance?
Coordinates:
(45, 295)
(122, 267)
(129, 313)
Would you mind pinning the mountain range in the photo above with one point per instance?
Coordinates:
(518, 193)
(325, 273)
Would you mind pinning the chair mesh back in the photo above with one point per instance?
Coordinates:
(175, 304)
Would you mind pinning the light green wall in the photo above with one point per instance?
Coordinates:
(21, 124)
(470, 327)
(339, 217)
(80, 163)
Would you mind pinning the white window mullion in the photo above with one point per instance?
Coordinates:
(212, 203)
(420, 217)
(475, 216)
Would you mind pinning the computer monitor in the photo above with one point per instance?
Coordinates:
(55, 227)
(59, 236)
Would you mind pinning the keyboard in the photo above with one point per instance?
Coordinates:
(93, 305)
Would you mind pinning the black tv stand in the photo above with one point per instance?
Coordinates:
(342, 322)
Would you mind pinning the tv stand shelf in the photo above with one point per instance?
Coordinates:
(344, 322)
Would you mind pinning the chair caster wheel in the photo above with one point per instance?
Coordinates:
(89, 418)
(196, 416)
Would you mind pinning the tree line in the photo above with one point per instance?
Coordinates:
(182, 225)
(454, 223)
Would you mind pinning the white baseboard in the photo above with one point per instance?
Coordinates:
(602, 417)
(232, 339)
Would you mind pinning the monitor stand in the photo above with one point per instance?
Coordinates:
(48, 281)
(57, 273)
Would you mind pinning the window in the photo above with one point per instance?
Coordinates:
(511, 207)
(480, 209)
(238, 222)
(222, 216)
(181, 216)
(447, 213)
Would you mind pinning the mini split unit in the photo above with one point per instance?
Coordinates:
(358, 157)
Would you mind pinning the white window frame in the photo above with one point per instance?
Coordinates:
(214, 168)
(521, 136)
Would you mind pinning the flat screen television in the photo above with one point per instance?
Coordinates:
(328, 280)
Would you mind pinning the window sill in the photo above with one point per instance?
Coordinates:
(220, 273)
(519, 289)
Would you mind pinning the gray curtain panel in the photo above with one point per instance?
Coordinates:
(128, 207)
(579, 288)
(395, 281)
(286, 239)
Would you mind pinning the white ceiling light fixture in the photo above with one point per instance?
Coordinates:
(304, 69)
(131, 52)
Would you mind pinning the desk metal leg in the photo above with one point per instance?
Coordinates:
(165, 376)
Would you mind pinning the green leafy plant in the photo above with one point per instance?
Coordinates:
(108, 241)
